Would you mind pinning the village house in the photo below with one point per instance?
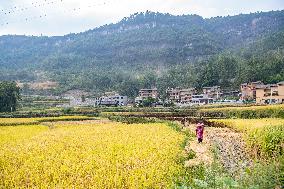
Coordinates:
(201, 99)
(248, 90)
(212, 92)
(180, 95)
(146, 93)
(270, 94)
(78, 98)
(111, 99)
(173, 94)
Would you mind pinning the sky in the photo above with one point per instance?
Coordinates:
(60, 17)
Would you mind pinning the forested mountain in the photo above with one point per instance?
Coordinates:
(153, 49)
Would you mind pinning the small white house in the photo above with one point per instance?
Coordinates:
(201, 99)
(112, 100)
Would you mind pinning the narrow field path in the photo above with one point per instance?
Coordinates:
(229, 145)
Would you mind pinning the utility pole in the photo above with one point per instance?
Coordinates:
(270, 95)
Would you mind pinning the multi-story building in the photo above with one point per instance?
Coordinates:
(201, 99)
(112, 99)
(248, 90)
(186, 95)
(270, 94)
(146, 93)
(173, 94)
(213, 92)
(180, 95)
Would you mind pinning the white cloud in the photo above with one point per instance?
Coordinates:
(66, 16)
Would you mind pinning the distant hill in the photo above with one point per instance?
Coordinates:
(152, 49)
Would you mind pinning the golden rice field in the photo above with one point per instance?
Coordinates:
(243, 108)
(264, 136)
(35, 121)
(90, 155)
(246, 125)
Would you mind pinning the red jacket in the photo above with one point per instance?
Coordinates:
(199, 131)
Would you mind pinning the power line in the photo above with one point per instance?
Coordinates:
(27, 19)
(42, 16)
(21, 8)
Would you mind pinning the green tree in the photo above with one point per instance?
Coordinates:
(9, 96)
(148, 102)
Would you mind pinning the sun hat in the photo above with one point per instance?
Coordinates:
(200, 124)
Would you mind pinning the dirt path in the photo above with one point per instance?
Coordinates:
(229, 145)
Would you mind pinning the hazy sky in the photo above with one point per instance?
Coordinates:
(59, 17)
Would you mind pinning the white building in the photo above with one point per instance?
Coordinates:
(112, 100)
(201, 99)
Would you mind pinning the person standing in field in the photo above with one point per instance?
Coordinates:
(183, 122)
(199, 131)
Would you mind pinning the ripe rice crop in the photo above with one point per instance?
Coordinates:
(251, 112)
(246, 107)
(13, 135)
(263, 136)
(101, 155)
(63, 118)
(245, 125)
(18, 121)
(36, 121)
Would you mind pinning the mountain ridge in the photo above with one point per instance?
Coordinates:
(145, 45)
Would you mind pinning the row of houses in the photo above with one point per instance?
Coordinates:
(254, 91)
(263, 93)
(257, 92)
(183, 95)
(190, 96)
(78, 98)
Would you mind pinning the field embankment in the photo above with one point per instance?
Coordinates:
(250, 112)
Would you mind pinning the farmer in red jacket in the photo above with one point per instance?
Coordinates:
(199, 131)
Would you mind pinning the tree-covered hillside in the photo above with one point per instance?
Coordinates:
(153, 49)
